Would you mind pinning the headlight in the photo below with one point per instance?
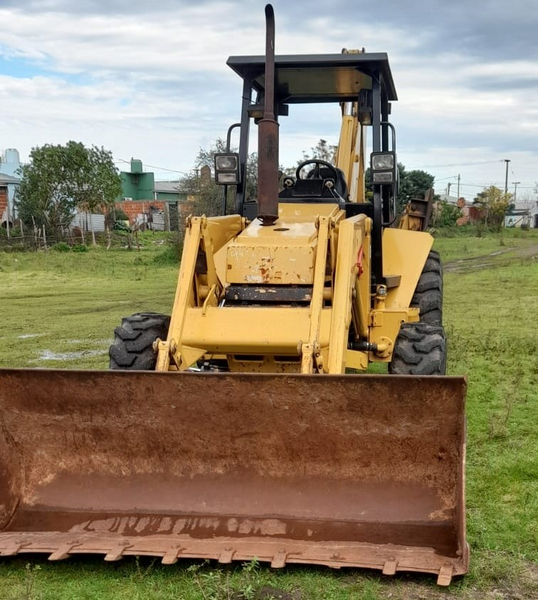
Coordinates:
(226, 178)
(227, 169)
(382, 162)
(383, 167)
(226, 162)
(386, 177)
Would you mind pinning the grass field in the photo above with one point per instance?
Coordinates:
(60, 309)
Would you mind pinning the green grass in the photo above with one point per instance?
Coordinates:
(71, 302)
(66, 305)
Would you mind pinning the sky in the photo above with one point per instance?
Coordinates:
(149, 79)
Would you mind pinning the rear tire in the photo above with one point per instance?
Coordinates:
(428, 296)
(133, 341)
(420, 349)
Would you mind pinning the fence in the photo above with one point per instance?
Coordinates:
(41, 240)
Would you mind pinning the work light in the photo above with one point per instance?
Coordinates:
(227, 168)
(383, 167)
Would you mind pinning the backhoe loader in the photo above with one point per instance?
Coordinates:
(239, 426)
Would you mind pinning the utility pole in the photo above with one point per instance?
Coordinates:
(516, 183)
(507, 161)
(459, 186)
(448, 190)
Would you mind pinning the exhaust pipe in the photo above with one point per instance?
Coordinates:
(268, 133)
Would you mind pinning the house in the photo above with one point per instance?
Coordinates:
(137, 184)
(9, 181)
(169, 191)
(146, 202)
(524, 215)
(470, 213)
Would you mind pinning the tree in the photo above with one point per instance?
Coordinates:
(446, 215)
(208, 196)
(322, 151)
(58, 179)
(414, 184)
(102, 184)
(495, 204)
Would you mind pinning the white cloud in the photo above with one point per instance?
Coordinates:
(151, 81)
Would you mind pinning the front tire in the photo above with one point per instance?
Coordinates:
(133, 341)
(420, 349)
(428, 296)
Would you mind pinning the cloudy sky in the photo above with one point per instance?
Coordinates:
(149, 79)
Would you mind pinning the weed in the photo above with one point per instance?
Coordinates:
(31, 573)
(208, 582)
(498, 424)
(143, 571)
(218, 584)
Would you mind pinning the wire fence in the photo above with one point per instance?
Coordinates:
(41, 240)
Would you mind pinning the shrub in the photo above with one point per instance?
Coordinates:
(171, 254)
(447, 215)
(62, 247)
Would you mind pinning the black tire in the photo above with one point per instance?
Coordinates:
(420, 349)
(428, 296)
(133, 341)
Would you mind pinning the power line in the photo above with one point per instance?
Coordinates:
(445, 178)
(122, 160)
(481, 162)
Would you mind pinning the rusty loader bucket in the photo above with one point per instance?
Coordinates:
(358, 471)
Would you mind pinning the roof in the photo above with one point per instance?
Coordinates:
(318, 77)
(167, 186)
(8, 178)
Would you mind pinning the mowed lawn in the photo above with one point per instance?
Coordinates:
(60, 310)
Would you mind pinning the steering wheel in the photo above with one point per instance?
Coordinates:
(315, 173)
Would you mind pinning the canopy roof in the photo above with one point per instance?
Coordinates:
(318, 77)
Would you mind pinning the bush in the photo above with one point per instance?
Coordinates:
(120, 215)
(447, 216)
(13, 231)
(121, 226)
(171, 255)
(80, 248)
(62, 247)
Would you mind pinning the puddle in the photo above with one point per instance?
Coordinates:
(65, 356)
(27, 336)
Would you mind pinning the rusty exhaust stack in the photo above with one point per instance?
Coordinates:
(268, 133)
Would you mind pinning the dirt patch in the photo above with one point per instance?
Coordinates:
(466, 265)
(524, 587)
(46, 355)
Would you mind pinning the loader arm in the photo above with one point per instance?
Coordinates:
(269, 298)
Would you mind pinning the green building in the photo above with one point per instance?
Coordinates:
(135, 184)
(139, 185)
